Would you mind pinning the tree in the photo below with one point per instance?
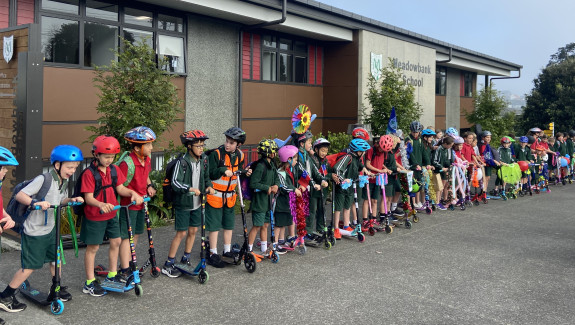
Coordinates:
(133, 92)
(552, 98)
(490, 112)
(387, 92)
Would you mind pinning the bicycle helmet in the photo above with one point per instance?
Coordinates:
(386, 143)
(192, 135)
(357, 145)
(298, 138)
(287, 152)
(571, 133)
(531, 139)
(535, 130)
(486, 134)
(320, 142)
(427, 132)
(7, 158)
(140, 134)
(237, 134)
(452, 132)
(416, 126)
(505, 140)
(523, 139)
(105, 144)
(267, 147)
(66, 152)
(458, 140)
(360, 133)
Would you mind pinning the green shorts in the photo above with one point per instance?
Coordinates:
(93, 232)
(283, 219)
(488, 171)
(343, 199)
(137, 221)
(218, 218)
(37, 250)
(374, 192)
(259, 218)
(188, 218)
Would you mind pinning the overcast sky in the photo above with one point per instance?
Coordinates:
(525, 32)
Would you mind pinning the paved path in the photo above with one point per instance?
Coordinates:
(502, 263)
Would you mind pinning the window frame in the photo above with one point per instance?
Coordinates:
(471, 77)
(438, 71)
(279, 51)
(82, 19)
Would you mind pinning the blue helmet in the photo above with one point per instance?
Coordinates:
(452, 132)
(140, 134)
(7, 158)
(359, 145)
(427, 132)
(524, 139)
(66, 152)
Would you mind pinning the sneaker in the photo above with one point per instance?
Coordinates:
(348, 228)
(228, 255)
(115, 279)
(280, 250)
(171, 271)
(185, 261)
(336, 234)
(216, 261)
(11, 304)
(441, 207)
(290, 241)
(64, 294)
(94, 289)
(397, 212)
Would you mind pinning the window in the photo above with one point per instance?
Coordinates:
(85, 32)
(284, 59)
(468, 84)
(440, 81)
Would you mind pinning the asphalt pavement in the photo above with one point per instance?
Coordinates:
(500, 263)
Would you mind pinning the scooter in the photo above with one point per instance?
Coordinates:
(200, 269)
(155, 270)
(381, 180)
(53, 297)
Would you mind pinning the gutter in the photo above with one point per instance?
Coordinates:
(514, 77)
(449, 59)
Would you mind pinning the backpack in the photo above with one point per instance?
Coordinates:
(247, 192)
(167, 184)
(18, 211)
(131, 166)
(79, 209)
(222, 156)
(333, 159)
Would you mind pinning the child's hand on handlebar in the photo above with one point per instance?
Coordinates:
(78, 199)
(249, 172)
(136, 198)
(210, 190)
(106, 207)
(45, 205)
(195, 191)
(228, 173)
(324, 184)
(274, 189)
(317, 187)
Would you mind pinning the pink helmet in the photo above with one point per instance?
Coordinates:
(287, 152)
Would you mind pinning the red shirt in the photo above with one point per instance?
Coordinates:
(376, 160)
(458, 153)
(140, 181)
(88, 186)
(538, 142)
(468, 152)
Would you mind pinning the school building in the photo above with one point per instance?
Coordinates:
(244, 63)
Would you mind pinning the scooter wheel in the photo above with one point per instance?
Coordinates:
(250, 262)
(407, 224)
(463, 207)
(302, 249)
(155, 272)
(388, 229)
(25, 285)
(360, 238)
(203, 276)
(415, 218)
(57, 307)
(484, 201)
(371, 231)
(138, 290)
(433, 207)
(428, 210)
(563, 182)
(530, 193)
(327, 244)
(521, 194)
(332, 240)
(99, 269)
(275, 257)
(451, 207)
(476, 203)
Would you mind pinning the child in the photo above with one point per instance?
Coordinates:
(374, 162)
(100, 183)
(287, 177)
(359, 133)
(416, 158)
(458, 146)
(347, 169)
(188, 181)
(551, 153)
(467, 150)
(438, 137)
(39, 233)
(8, 301)
(506, 158)
(489, 156)
(316, 205)
(264, 182)
(389, 167)
(561, 151)
(523, 153)
(224, 163)
(141, 139)
(442, 161)
(393, 180)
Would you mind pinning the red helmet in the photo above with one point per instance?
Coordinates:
(192, 136)
(386, 143)
(360, 133)
(105, 144)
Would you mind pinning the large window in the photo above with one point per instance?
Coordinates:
(468, 84)
(97, 24)
(440, 81)
(284, 59)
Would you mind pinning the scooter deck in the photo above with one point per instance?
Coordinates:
(34, 295)
(116, 286)
(187, 269)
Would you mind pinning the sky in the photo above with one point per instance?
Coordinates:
(526, 32)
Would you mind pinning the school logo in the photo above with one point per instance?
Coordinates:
(376, 65)
(8, 48)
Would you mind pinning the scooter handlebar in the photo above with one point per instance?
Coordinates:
(37, 207)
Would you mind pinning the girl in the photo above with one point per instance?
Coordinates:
(288, 176)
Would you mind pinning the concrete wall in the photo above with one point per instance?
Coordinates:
(212, 82)
(404, 52)
(452, 99)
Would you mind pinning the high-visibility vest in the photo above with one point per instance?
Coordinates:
(225, 186)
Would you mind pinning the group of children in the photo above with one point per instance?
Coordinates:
(299, 168)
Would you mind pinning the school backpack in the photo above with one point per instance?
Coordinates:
(92, 168)
(18, 211)
(247, 192)
(125, 157)
(167, 184)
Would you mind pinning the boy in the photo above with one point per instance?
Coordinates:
(561, 151)
(188, 182)
(416, 157)
(347, 170)
(8, 300)
(264, 182)
(99, 217)
(385, 145)
(374, 162)
(442, 160)
(224, 162)
(359, 133)
(489, 157)
(316, 205)
(523, 153)
(39, 234)
(506, 158)
(141, 139)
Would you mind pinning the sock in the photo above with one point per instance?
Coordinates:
(227, 248)
(213, 251)
(354, 222)
(393, 206)
(264, 246)
(186, 256)
(112, 274)
(365, 219)
(281, 242)
(126, 270)
(250, 247)
(170, 261)
(9, 291)
(88, 282)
